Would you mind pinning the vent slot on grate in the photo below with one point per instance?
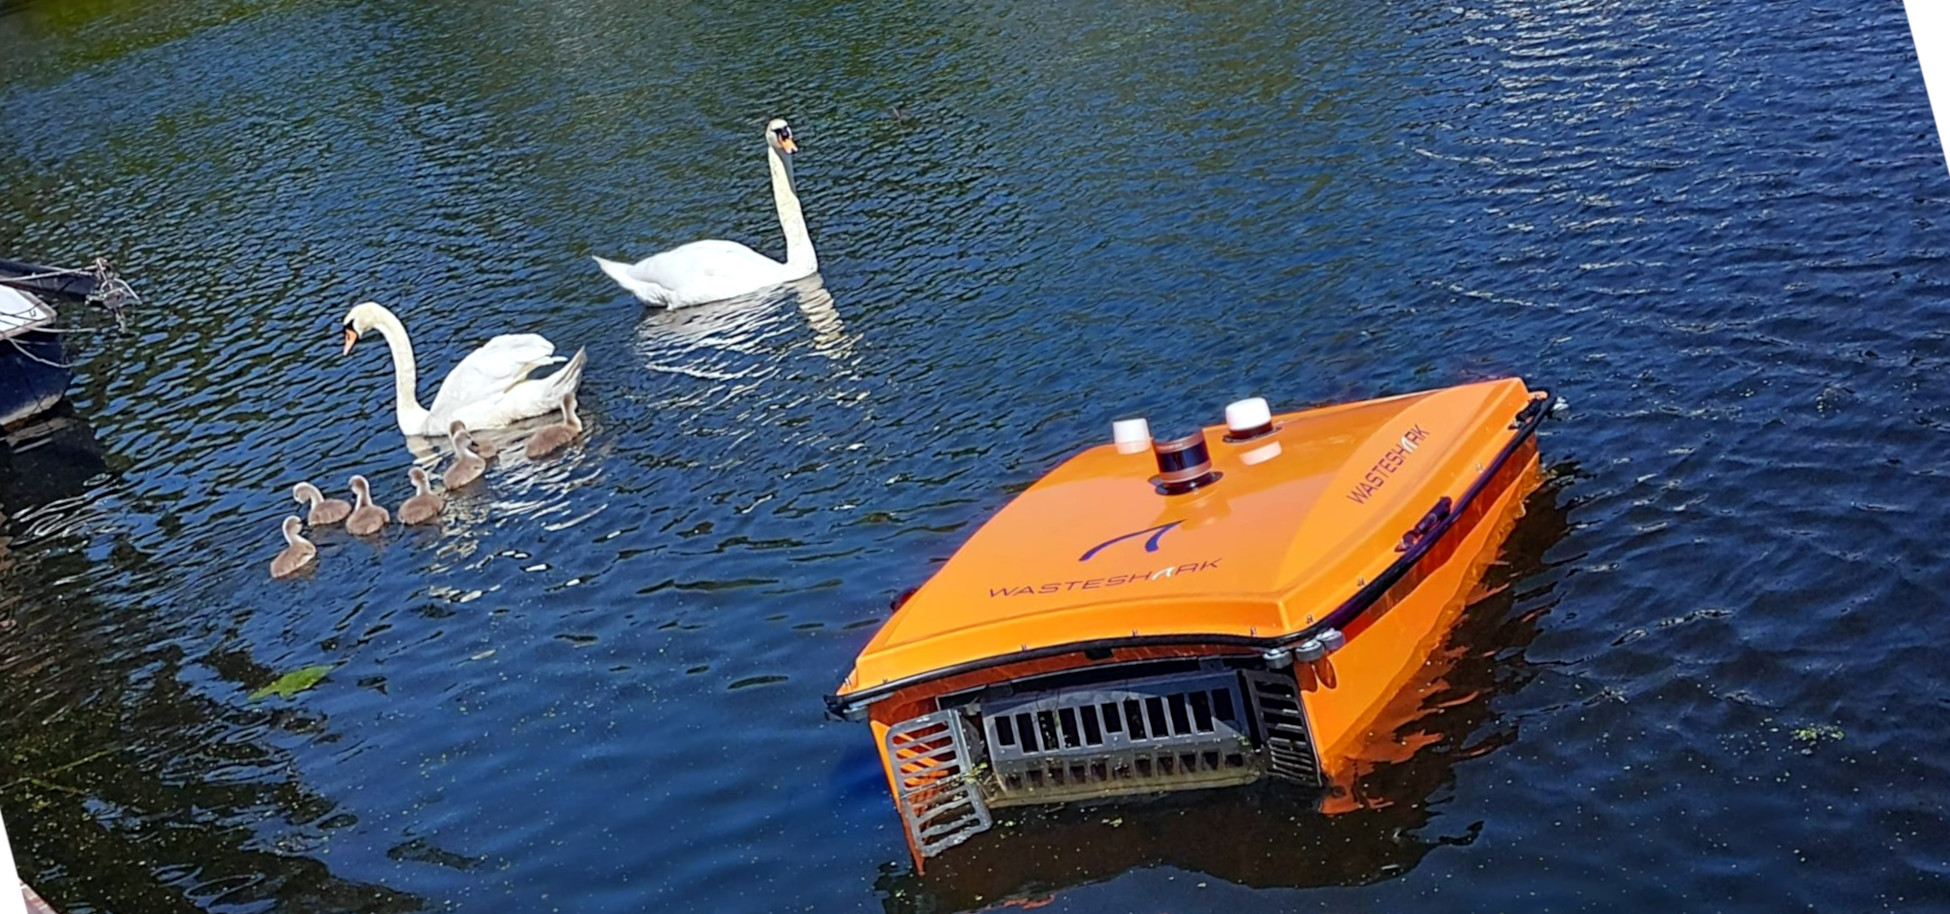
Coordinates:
(1136, 736)
(1283, 726)
(935, 781)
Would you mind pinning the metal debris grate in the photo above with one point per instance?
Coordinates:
(1283, 726)
(1164, 733)
(934, 782)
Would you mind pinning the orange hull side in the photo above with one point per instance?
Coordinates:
(1384, 656)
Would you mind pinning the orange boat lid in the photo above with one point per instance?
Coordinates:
(1296, 522)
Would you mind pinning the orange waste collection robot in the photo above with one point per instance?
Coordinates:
(1199, 611)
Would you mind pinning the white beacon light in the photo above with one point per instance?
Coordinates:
(1132, 436)
(1248, 419)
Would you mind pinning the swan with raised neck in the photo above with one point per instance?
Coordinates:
(468, 466)
(714, 269)
(425, 505)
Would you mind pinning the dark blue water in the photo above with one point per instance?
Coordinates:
(1710, 676)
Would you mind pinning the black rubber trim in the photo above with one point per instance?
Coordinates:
(1526, 422)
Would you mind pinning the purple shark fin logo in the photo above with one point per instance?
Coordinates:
(1150, 545)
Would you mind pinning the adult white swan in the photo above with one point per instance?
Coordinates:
(488, 389)
(714, 270)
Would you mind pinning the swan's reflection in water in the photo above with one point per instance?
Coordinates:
(743, 338)
(1272, 835)
(829, 332)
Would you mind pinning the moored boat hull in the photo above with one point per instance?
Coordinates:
(34, 375)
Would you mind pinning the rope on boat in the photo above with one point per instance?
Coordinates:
(111, 291)
(24, 351)
(47, 275)
(60, 330)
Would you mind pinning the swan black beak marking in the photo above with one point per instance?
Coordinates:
(351, 337)
(786, 144)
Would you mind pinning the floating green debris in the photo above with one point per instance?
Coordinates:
(1816, 732)
(1811, 735)
(294, 682)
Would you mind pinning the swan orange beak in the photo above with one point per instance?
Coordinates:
(351, 337)
(788, 145)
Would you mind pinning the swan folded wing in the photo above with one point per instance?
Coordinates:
(526, 399)
(710, 270)
(711, 256)
(490, 371)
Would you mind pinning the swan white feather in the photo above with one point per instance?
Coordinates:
(490, 388)
(715, 269)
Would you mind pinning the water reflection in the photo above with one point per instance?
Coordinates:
(739, 338)
(138, 776)
(46, 467)
(515, 487)
(1273, 835)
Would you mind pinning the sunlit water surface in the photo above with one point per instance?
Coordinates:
(1713, 677)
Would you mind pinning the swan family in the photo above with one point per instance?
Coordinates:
(490, 388)
(365, 517)
(495, 387)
